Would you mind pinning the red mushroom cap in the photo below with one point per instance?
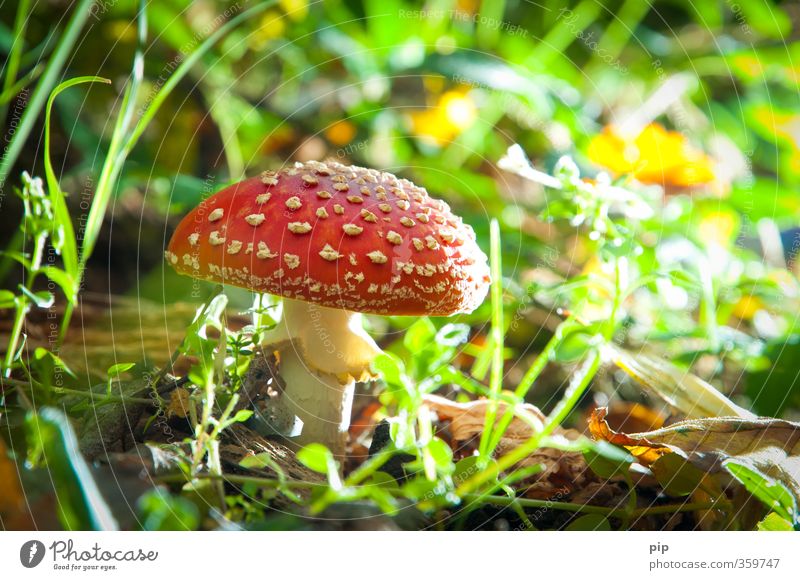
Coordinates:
(339, 236)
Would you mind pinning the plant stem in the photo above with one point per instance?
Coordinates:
(539, 503)
(529, 378)
(23, 304)
(243, 479)
(491, 499)
(674, 509)
(496, 376)
(621, 28)
(98, 399)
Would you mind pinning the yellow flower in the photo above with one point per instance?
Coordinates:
(297, 10)
(654, 156)
(341, 133)
(454, 113)
(747, 306)
(749, 65)
(719, 227)
(270, 26)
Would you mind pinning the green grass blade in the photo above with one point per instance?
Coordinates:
(46, 83)
(124, 140)
(15, 89)
(496, 373)
(528, 379)
(63, 224)
(11, 67)
(184, 68)
(112, 164)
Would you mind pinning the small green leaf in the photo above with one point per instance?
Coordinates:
(6, 299)
(590, 523)
(257, 461)
(419, 488)
(441, 453)
(118, 369)
(466, 468)
(607, 460)
(22, 259)
(241, 416)
(49, 369)
(774, 523)
(389, 366)
(383, 479)
(317, 457)
(42, 299)
(573, 347)
(677, 476)
(771, 492)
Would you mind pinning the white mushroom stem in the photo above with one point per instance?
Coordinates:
(323, 352)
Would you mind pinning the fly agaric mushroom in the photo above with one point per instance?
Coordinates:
(334, 241)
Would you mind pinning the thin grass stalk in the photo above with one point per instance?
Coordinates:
(529, 379)
(496, 373)
(62, 230)
(12, 64)
(579, 385)
(124, 138)
(45, 86)
(35, 104)
(23, 303)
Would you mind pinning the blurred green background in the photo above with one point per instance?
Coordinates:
(670, 129)
(436, 92)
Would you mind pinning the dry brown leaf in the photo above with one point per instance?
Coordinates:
(562, 471)
(645, 451)
(467, 419)
(179, 403)
(770, 446)
(632, 417)
(12, 498)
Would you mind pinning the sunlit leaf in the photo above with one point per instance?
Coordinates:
(683, 390)
(774, 523)
(317, 457)
(769, 448)
(118, 369)
(607, 461)
(772, 493)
